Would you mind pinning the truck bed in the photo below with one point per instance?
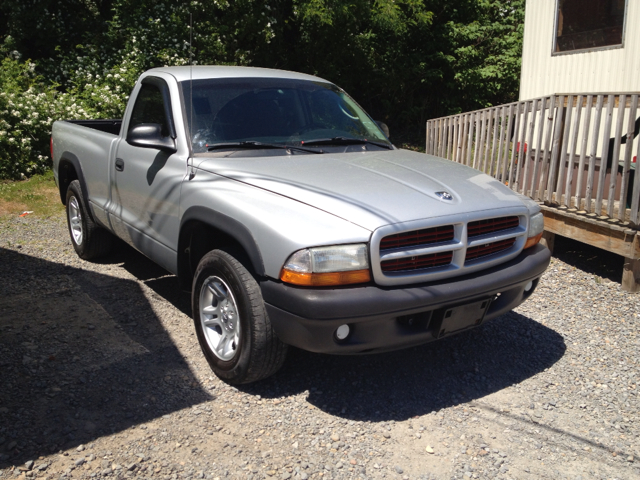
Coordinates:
(105, 125)
(92, 142)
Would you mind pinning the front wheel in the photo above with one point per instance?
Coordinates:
(231, 321)
(89, 240)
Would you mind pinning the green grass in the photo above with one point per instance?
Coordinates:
(38, 194)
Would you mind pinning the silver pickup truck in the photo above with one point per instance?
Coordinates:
(292, 219)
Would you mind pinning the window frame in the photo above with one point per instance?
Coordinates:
(590, 49)
(161, 85)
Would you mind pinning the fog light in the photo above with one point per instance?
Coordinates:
(342, 332)
(528, 286)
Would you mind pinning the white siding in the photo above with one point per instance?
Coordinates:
(612, 70)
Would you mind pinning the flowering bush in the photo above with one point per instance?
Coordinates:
(29, 106)
(25, 117)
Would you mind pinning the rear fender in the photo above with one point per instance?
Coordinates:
(69, 169)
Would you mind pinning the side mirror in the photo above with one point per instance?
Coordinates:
(384, 128)
(149, 135)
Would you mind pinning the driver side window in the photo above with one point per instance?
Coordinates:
(149, 108)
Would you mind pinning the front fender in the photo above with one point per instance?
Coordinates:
(269, 226)
(231, 227)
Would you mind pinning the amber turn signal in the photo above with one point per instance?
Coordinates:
(327, 279)
(531, 241)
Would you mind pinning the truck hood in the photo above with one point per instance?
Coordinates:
(370, 189)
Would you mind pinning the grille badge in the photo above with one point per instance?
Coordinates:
(444, 195)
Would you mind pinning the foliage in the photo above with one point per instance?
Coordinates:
(28, 107)
(404, 61)
(487, 54)
(25, 105)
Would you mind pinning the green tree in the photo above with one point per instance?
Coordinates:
(487, 54)
(404, 61)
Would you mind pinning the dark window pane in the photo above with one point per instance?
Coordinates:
(149, 108)
(584, 24)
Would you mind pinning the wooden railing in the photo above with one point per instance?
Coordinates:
(571, 151)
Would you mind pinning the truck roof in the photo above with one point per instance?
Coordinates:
(199, 72)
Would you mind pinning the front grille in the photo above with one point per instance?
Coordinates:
(426, 236)
(489, 249)
(491, 225)
(425, 251)
(418, 262)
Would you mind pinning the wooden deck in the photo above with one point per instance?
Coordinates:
(574, 154)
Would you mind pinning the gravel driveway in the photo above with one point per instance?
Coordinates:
(101, 376)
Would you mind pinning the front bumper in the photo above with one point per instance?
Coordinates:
(382, 319)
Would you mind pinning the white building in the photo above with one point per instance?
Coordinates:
(579, 46)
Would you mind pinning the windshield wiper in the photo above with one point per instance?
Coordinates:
(345, 141)
(256, 145)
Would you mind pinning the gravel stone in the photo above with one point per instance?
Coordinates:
(114, 371)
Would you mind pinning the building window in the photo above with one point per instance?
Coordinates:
(588, 24)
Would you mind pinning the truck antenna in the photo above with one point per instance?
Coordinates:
(192, 172)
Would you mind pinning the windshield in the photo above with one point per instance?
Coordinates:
(272, 110)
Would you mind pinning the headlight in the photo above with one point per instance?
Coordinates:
(536, 227)
(327, 266)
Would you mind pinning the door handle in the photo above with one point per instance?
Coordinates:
(119, 164)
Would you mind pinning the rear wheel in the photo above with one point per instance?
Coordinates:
(231, 322)
(89, 240)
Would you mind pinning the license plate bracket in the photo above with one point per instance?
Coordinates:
(465, 316)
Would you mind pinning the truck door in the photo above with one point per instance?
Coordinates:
(146, 180)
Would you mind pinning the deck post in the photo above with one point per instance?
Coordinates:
(631, 275)
(548, 240)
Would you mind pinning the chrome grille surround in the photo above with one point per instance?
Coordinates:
(457, 246)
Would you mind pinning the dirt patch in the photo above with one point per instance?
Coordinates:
(11, 208)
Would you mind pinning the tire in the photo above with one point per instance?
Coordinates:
(89, 240)
(231, 321)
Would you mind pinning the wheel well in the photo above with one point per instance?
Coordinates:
(196, 240)
(66, 174)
